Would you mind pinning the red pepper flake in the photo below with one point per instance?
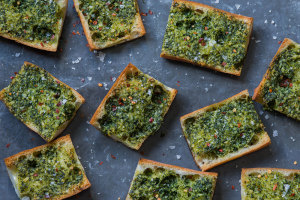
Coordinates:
(128, 85)
(280, 104)
(291, 85)
(178, 81)
(15, 73)
(101, 163)
(73, 32)
(100, 28)
(40, 103)
(151, 120)
(114, 14)
(206, 28)
(42, 44)
(143, 14)
(203, 43)
(293, 194)
(226, 32)
(150, 12)
(12, 77)
(285, 83)
(56, 169)
(82, 80)
(112, 156)
(279, 42)
(177, 85)
(215, 136)
(224, 63)
(35, 174)
(232, 187)
(223, 113)
(221, 150)
(114, 108)
(95, 22)
(58, 104)
(239, 125)
(57, 117)
(42, 91)
(57, 111)
(7, 145)
(270, 90)
(275, 186)
(200, 40)
(208, 144)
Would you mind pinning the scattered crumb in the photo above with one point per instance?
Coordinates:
(100, 84)
(257, 41)
(293, 139)
(171, 147)
(275, 133)
(270, 11)
(274, 37)
(99, 68)
(73, 68)
(109, 62)
(266, 21)
(295, 163)
(272, 22)
(89, 78)
(17, 54)
(178, 157)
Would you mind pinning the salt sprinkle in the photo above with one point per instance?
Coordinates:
(275, 133)
(206, 89)
(178, 157)
(267, 117)
(272, 22)
(171, 147)
(237, 6)
(274, 37)
(293, 139)
(266, 21)
(76, 61)
(257, 41)
(17, 54)
(89, 78)
(216, 1)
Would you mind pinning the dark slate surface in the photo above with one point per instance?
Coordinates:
(198, 87)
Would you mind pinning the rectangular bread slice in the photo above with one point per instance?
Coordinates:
(50, 171)
(206, 36)
(280, 87)
(163, 181)
(134, 107)
(42, 102)
(35, 23)
(106, 23)
(270, 183)
(224, 131)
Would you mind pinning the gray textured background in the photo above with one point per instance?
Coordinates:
(198, 87)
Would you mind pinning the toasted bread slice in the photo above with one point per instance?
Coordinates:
(206, 36)
(51, 171)
(241, 130)
(134, 107)
(50, 110)
(148, 169)
(124, 22)
(286, 93)
(265, 183)
(51, 37)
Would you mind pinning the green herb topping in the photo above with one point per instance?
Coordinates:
(224, 129)
(31, 20)
(273, 185)
(48, 173)
(109, 20)
(206, 36)
(136, 109)
(161, 183)
(281, 90)
(38, 100)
